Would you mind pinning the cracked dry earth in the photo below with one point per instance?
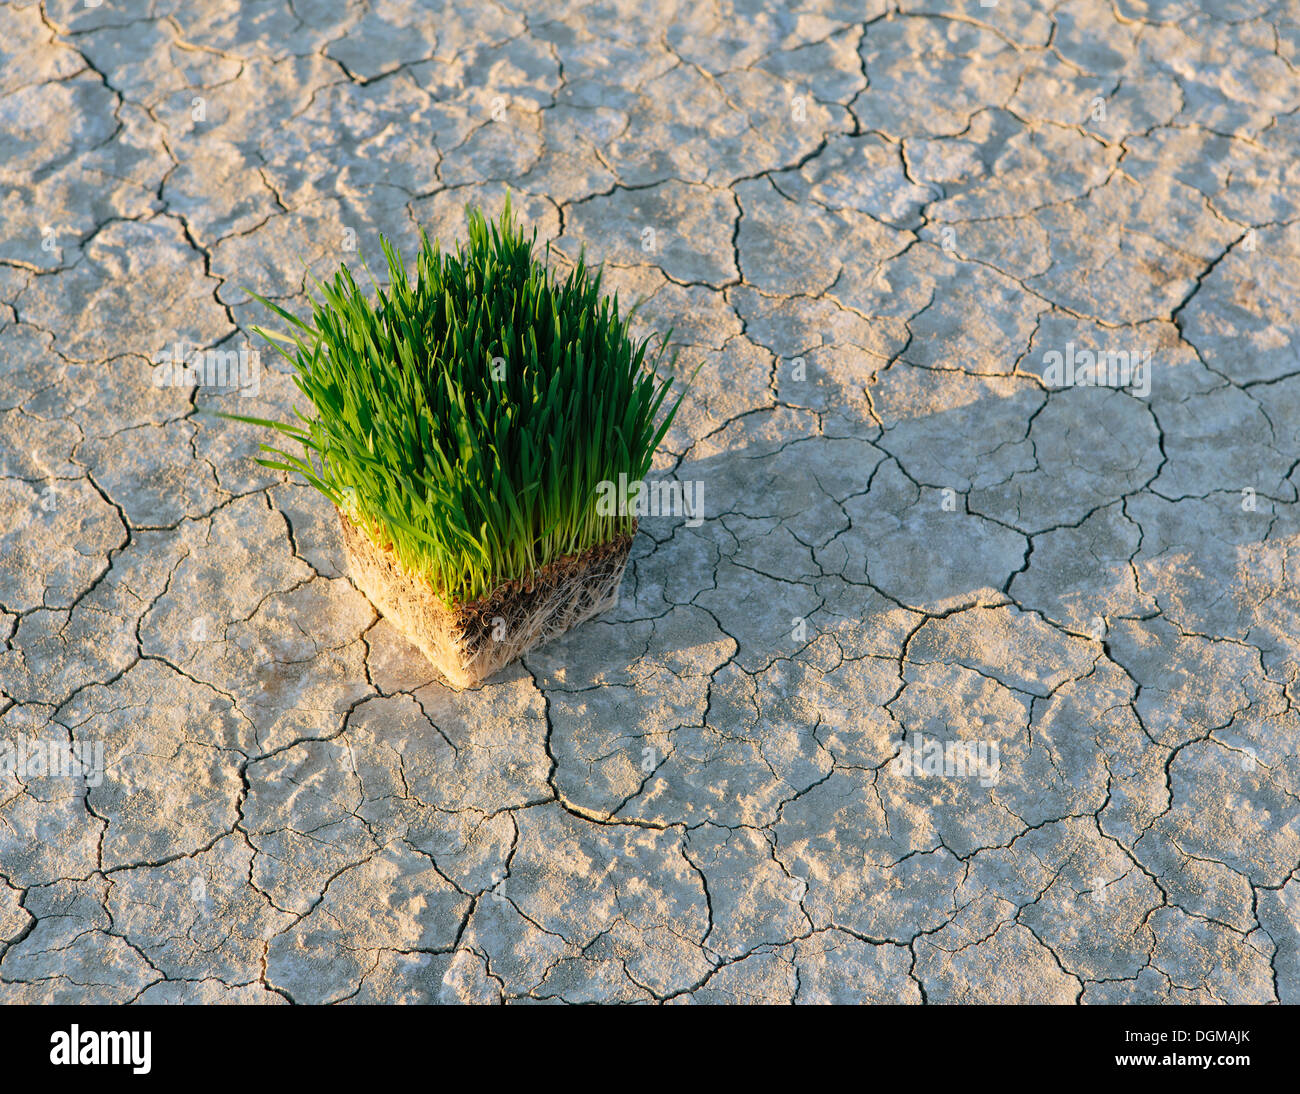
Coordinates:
(871, 226)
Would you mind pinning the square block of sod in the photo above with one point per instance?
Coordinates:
(468, 642)
(463, 423)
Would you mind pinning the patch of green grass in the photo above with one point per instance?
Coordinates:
(467, 414)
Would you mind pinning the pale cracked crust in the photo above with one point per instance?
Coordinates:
(906, 531)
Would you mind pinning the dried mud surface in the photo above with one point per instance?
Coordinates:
(873, 224)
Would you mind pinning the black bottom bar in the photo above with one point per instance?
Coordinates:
(304, 1045)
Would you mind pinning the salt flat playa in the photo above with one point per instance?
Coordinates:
(966, 672)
